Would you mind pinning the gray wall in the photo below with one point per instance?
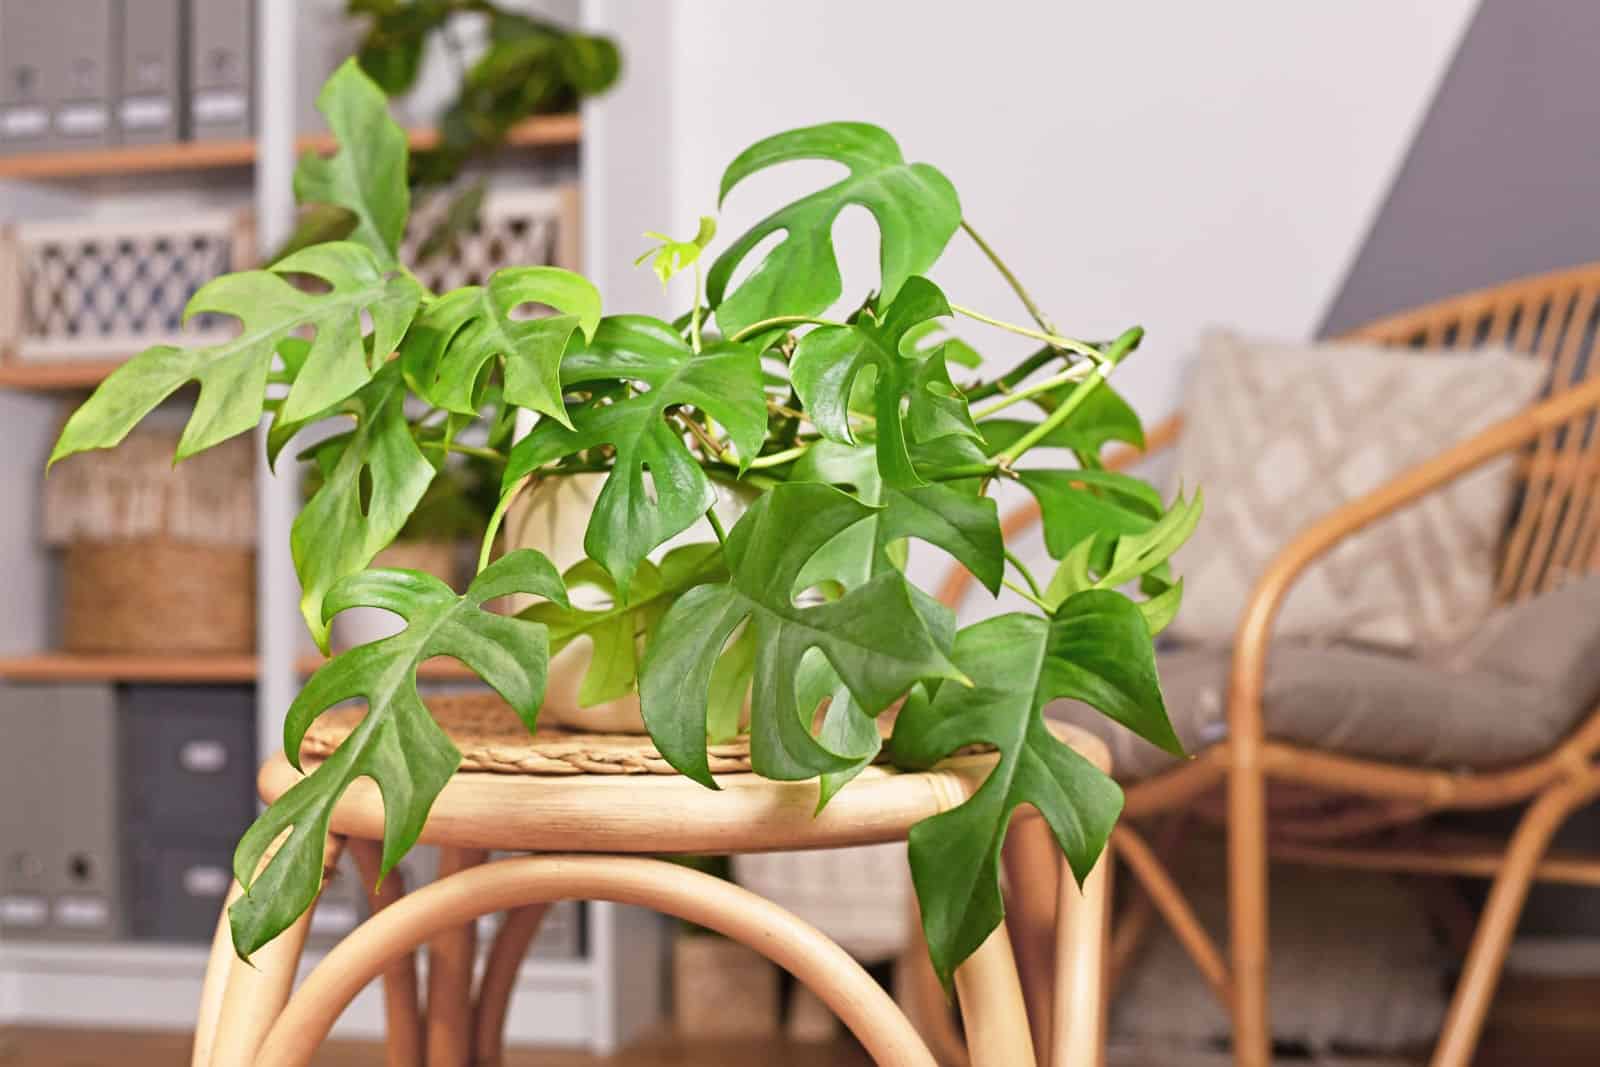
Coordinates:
(1503, 178)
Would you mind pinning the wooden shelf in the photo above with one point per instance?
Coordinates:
(200, 669)
(546, 131)
(74, 667)
(439, 669)
(66, 374)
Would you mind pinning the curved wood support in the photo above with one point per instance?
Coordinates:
(737, 913)
(1175, 909)
(1464, 1022)
(511, 944)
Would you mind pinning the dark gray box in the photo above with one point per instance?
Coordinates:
(221, 64)
(148, 71)
(83, 47)
(189, 760)
(27, 75)
(177, 887)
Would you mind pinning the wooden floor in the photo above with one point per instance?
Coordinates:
(1549, 1023)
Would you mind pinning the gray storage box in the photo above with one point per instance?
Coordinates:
(148, 71)
(27, 75)
(189, 761)
(221, 65)
(82, 45)
(177, 887)
(62, 879)
(27, 845)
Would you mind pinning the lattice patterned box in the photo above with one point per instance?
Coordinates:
(100, 290)
(522, 227)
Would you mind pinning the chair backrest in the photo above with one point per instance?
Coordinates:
(1553, 533)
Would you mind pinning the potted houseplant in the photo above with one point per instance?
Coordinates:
(843, 420)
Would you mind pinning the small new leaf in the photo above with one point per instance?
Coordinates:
(670, 256)
(873, 636)
(915, 206)
(397, 744)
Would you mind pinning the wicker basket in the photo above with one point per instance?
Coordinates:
(105, 289)
(158, 560)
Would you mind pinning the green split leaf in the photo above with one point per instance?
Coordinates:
(397, 744)
(656, 489)
(829, 360)
(915, 206)
(873, 636)
(340, 530)
(670, 256)
(1095, 649)
(233, 374)
(463, 333)
(367, 175)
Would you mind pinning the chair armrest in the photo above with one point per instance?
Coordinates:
(1248, 674)
(1160, 436)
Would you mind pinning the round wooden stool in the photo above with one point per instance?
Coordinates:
(592, 809)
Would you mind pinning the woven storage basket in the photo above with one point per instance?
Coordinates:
(515, 228)
(108, 289)
(158, 560)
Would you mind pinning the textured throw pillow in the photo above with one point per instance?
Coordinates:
(1278, 435)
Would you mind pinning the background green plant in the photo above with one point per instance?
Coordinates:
(849, 429)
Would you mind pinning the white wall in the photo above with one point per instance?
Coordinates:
(1174, 165)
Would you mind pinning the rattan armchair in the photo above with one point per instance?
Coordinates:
(1554, 535)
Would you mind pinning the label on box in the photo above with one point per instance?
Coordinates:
(216, 105)
(20, 909)
(203, 756)
(81, 912)
(81, 120)
(146, 112)
(206, 881)
(20, 123)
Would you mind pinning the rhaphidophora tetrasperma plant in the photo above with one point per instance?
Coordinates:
(848, 431)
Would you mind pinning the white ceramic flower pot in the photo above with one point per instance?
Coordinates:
(552, 517)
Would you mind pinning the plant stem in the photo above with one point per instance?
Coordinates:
(491, 454)
(970, 470)
(781, 320)
(1075, 373)
(1113, 355)
(694, 316)
(1022, 569)
(716, 525)
(1068, 344)
(498, 517)
(1025, 595)
(1011, 378)
(778, 459)
(714, 451)
(1011, 279)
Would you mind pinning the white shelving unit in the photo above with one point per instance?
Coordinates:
(598, 1001)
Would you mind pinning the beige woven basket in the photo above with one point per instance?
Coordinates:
(157, 559)
(158, 596)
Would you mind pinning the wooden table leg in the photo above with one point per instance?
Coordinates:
(1083, 921)
(401, 997)
(257, 991)
(992, 1008)
(450, 957)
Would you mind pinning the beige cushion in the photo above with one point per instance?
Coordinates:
(1279, 435)
(1529, 679)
